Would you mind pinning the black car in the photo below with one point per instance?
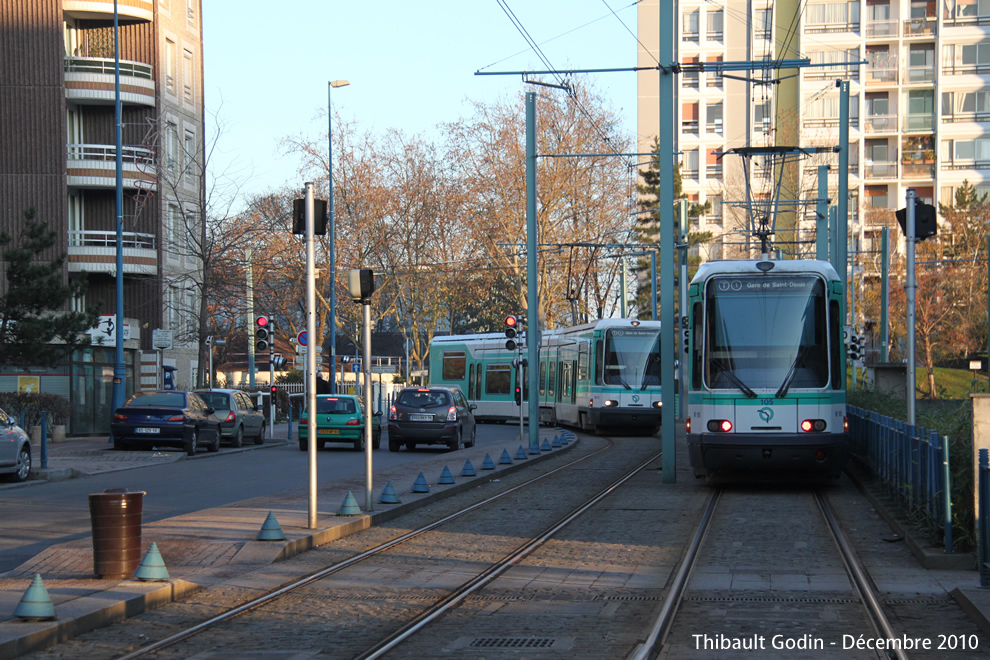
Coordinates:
(431, 415)
(165, 418)
(239, 416)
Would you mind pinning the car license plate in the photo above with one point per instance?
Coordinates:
(147, 430)
(327, 431)
(421, 418)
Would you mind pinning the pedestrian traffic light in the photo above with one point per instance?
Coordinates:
(855, 347)
(263, 334)
(511, 332)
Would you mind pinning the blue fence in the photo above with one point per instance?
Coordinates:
(912, 463)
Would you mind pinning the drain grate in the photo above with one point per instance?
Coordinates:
(756, 599)
(512, 643)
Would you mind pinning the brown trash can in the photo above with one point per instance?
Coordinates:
(116, 518)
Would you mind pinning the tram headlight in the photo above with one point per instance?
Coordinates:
(611, 403)
(658, 404)
(719, 425)
(816, 425)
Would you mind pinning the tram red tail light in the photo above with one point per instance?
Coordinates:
(719, 425)
(821, 455)
(687, 425)
(816, 425)
(845, 425)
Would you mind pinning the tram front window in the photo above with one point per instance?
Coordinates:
(766, 332)
(632, 358)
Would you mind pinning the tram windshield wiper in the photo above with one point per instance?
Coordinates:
(789, 378)
(724, 371)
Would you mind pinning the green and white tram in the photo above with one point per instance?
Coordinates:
(766, 388)
(604, 373)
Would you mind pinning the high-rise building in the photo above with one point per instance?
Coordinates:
(58, 153)
(918, 117)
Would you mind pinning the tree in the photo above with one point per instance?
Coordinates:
(32, 329)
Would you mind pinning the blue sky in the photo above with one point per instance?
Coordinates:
(411, 65)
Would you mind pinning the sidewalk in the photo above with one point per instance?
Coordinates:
(217, 546)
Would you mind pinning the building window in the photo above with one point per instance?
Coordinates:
(763, 116)
(188, 77)
(689, 166)
(690, 78)
(716, 205)
(763, 23)
(832, 17)
(191, 11)
(189, 156)
(689, 26)
(689, 118)
(966, 106)
(170, 66)
(832, 64)
(172, 149)
(713, 118)
(715, 21)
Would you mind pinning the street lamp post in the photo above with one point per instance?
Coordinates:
(333, 263)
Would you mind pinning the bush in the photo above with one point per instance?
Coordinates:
(32, 404)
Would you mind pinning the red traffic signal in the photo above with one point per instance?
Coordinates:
(511, 321)
(263, 332)
(261, 321)
(274, 389)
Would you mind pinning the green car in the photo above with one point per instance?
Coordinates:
(339, 418)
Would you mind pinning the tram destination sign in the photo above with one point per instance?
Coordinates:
(764, 284)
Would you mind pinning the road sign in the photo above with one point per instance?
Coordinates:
(384, 369)
(161, 338)
(302, 350)
(302, 338)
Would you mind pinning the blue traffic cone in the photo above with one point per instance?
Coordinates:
(349, 507)
(488, 463)
(446, 478)
(152, 567)
(556, 442)
(535, 449)
(468, 469)
(420, 485)
(36, 603)
(565, 439)
(520, 454)
(505, 459)
(389, 496)
(546, 445)
(271, 530)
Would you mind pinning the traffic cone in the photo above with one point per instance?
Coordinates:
(389, 496)
(468, 469)
(488, 463)
(520, 454)
(35, 604)
(556, 442)
(505, 459)
(271, 530)
(446, 478)
(535, 449)
(349, 507)
(420, 485)
(152, 567)
(546, 445)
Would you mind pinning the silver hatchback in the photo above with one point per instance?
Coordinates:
(15, 449)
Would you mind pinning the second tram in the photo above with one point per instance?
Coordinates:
(766, 384)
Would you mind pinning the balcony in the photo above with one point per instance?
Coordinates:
(919, 74)
(918, 170)
(94, 166)
(881, 123)
(881, 75)
(882, 29)
(850, 26)
(881, 170)
(96, 252)
(128, 11)
(91, 80)
(921, 27)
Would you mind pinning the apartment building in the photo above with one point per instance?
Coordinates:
(919, 105)
(58, 153)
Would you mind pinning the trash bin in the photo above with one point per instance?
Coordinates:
(116, 517)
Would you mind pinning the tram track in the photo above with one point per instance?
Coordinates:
(430, 611)
(658, 643)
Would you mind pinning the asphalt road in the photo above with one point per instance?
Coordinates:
(35, 517)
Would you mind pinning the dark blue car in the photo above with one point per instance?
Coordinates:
(165, 418)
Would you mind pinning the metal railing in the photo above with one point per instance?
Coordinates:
(104, 66)
(881, 74)
(880, 123)
(924, 73)
(109, 152)
(919, 122)
(911, 462)
(881, 170)
(881, 29)
(92, 238)
(921, 27)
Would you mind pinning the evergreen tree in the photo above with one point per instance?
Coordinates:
(32, 329)
(647, 229)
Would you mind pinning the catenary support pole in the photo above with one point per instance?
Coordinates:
(910, 289)
(532, 290)
(821, 215)
(119, 390)
(665, 55)
(311, 355)
(369, 502)
(884, 293)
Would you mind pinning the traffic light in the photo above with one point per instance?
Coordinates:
(263, 333)
(855, 347)
(274, 390)
(278, 362)
(518, 396)
(687, 340)
(511, 332)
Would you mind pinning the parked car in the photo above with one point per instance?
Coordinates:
(165, 418)
(239, 416)
(431, 415)
(339, 418)
(15, 449)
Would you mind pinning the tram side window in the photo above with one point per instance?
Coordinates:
(471, 381)
(599, 360)
(834, 333)
(565, 381)
(582, 363)
(697, 339)
(498, 379)
(477, 381)
(551, 373)
(453, 365)
(543, 379)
